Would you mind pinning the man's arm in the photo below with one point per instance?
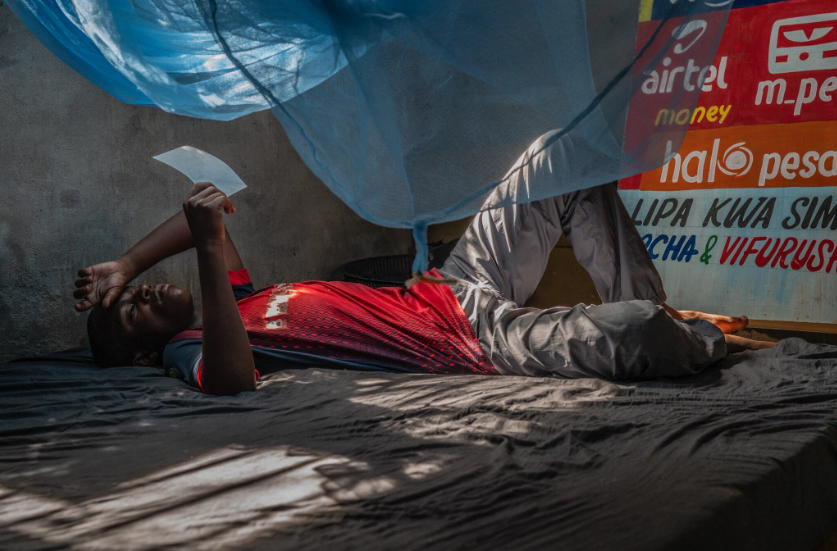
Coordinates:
(227, 362)
(170, 238)
(104, 282)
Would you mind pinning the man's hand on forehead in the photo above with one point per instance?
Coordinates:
(200, 222)
(101, 283)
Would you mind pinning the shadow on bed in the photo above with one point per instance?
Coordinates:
(743, 456)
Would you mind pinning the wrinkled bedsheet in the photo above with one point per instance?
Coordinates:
(742, 457)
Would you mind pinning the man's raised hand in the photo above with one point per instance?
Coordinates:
(205, 207)
(102, 282)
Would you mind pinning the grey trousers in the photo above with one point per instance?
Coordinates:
(500, 261)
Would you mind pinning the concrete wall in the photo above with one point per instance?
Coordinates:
(79, 186)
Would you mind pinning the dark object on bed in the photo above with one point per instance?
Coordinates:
(393, 270)
(379, 271)
(742, 457)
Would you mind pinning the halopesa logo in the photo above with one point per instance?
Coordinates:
(736, 161)
(703, 166)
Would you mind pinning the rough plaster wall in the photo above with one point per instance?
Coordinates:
(79, 186)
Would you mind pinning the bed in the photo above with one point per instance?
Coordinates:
(742, 457)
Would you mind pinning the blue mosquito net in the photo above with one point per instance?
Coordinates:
(412, 111)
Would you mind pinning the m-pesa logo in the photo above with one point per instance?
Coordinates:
(803, 44)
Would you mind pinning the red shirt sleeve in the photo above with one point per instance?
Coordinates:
(241, 277)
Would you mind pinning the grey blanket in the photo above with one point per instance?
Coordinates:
(742, 457)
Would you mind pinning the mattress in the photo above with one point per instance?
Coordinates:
(743, 456)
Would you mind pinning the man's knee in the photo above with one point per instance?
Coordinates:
(649, 343)
(664, 347)
(635, 318)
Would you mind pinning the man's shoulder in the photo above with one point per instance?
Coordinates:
(181, 359)
(191, 334)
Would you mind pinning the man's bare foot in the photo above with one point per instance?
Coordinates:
(737, 344)
(727, 324)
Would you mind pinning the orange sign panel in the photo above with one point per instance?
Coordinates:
(777, 155)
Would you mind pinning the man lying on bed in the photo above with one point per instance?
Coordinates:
(476, 325)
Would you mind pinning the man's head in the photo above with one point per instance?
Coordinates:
(135, 328)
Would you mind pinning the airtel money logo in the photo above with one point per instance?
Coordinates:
(685, 73)
(736, 161)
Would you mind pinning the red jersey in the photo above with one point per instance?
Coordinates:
(422, 329)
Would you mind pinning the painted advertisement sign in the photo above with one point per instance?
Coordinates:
(742, 218)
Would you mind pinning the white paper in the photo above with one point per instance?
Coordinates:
(200, 166)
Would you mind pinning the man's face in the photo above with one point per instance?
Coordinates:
(150, 316)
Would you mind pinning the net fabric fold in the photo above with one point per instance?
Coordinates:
(411, 112)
